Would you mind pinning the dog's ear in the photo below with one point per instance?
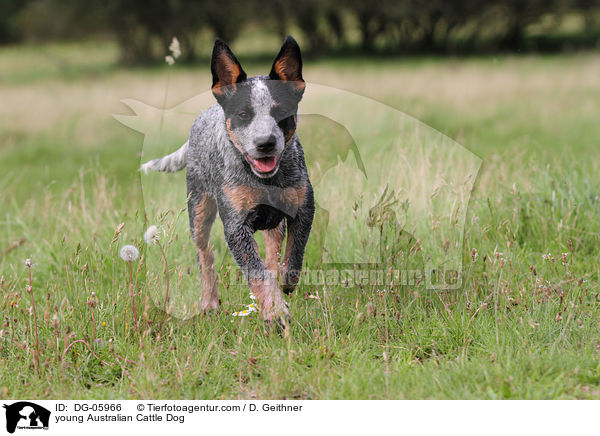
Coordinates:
(288, 64)
(225, 68)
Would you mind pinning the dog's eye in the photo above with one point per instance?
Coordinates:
(243, 115)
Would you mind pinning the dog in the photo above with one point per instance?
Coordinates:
(244, 160)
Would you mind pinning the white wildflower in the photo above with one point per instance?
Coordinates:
(169, 60)
(151, 235)
(129, 253)
(174, 48)
(252, 307)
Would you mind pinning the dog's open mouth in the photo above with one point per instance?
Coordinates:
(263, 166)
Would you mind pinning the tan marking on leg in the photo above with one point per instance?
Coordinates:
(204, 216)
(289, 243)
(273, 240)
(243, 198)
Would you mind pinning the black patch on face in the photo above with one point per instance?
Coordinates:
(237, 106)
(286, 99)
(287, 126)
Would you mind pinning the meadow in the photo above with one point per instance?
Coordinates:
(525, 323)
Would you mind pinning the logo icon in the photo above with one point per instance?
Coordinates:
(391, 196)
(26, 415)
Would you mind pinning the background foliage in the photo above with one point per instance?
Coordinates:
(526, 323)
(143, 28)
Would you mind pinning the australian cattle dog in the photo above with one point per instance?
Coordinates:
(244, 160)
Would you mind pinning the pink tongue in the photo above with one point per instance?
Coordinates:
(265, 164)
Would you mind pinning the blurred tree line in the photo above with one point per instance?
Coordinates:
(142, 28)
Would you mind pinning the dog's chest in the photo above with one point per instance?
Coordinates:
(264, 207)
(264, 217)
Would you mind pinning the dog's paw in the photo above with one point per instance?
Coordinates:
(288, 289)
(274, 314)
(289, 280)
(278, 315)
(271, 302)
(280, 323)
(210, 306)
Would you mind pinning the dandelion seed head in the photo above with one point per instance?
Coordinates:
(151, 235)
(129, 253)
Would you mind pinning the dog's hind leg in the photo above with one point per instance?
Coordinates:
(203, 210)
(273, 241)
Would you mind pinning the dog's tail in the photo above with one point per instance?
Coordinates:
(170, 163)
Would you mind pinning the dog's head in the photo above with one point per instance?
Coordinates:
(260, 112)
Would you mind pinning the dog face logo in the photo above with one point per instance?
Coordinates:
(26, 415)
(391, 193)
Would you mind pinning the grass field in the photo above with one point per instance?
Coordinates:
(525, 324)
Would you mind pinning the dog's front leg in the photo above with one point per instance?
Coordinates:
(298, 231)
(263, 282)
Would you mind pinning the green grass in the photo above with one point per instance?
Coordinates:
(520, 327)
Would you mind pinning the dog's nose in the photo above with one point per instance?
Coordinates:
(266, 144)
